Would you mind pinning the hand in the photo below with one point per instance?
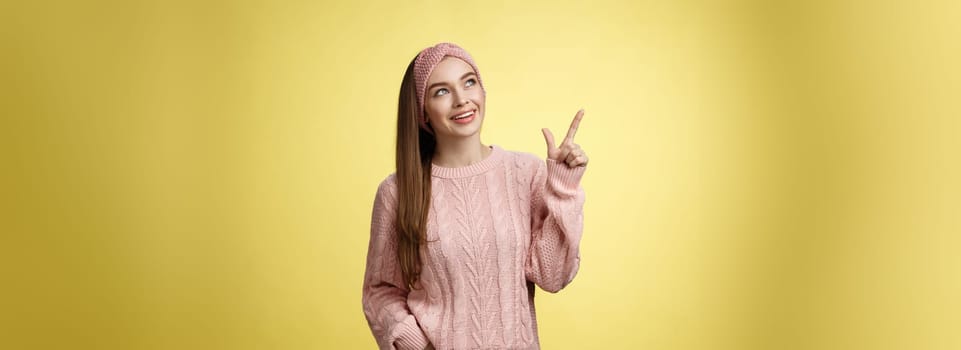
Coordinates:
(569, 152)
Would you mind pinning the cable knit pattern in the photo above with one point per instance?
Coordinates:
(495, 229)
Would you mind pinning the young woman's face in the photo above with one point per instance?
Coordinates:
(453, 92)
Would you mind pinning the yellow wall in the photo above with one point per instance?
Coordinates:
(186, 175)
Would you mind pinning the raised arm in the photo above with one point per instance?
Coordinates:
(557, 213)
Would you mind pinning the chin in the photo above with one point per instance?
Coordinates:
(465, 132)
(473, 128)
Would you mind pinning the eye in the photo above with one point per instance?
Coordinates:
(471, 82)
(440, 92)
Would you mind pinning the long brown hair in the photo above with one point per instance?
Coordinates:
(415, 148)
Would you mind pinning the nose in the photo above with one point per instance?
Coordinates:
(461, 99)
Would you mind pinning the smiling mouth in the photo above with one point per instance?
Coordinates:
(467, 114)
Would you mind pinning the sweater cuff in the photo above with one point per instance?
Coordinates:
(409, 336)
(564, 178)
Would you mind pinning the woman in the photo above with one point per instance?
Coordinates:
(462, 232)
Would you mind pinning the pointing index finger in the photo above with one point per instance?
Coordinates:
(574, 124)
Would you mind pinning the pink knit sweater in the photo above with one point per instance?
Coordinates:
(495, 228)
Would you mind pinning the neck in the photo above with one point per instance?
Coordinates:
(455, 153)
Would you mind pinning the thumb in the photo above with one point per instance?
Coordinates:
(549, 138)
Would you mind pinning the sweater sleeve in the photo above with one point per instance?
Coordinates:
(384, 292)
(557, 221)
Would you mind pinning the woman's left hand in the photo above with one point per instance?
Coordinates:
(569, 152)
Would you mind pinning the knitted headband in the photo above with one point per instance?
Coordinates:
(424, 64)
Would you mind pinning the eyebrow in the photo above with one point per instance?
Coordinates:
(443, 83)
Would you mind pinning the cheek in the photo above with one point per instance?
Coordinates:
(434, 108)
(475, 96)
(481, 103)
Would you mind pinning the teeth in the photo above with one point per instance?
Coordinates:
(465, 115)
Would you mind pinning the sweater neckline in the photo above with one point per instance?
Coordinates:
(470, 170)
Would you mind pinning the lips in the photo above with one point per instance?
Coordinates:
(463, 115)
(465, 118)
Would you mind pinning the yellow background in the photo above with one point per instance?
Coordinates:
(764, 175)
